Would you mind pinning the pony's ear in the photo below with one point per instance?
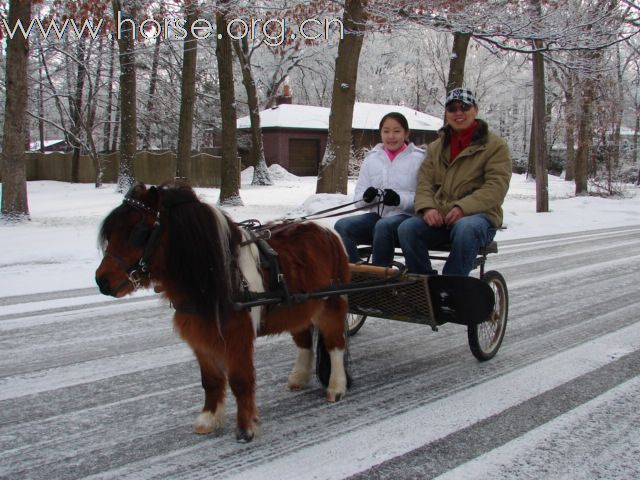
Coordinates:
(153, 197)
(136, 190)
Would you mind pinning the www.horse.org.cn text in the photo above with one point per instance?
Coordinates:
(272, 31)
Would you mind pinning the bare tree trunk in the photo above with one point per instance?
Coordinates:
(107, 125)
(458, 60)
(333, 171)
(256, 155)
(92, 101)
(188, 96)
(15, 206)
(617, 112)
(41, 109)
(151, 100)
(570, 112)
(230, 188)
(76, 111)
(531, 160)
(585, 137)
(539, 129)
(635, 142)
(539, 124)
(116, 129)
(128, 119)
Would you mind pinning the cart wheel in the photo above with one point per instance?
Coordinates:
(354, 323)
(485, 339)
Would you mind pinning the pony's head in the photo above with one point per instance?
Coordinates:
(166, 236)
(127, 237)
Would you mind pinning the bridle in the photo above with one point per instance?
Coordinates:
(140, 269)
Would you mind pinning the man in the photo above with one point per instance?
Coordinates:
(461, 186)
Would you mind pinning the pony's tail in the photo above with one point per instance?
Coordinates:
(323, 360)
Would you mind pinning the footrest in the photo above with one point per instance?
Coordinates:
(429, 300)
(406, 298)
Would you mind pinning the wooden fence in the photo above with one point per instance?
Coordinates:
(149, 167)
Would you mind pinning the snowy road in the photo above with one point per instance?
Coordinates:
(97, 388)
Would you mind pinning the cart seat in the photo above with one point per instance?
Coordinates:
(492, 247)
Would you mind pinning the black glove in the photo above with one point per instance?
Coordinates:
(390, 198)
(370, 194)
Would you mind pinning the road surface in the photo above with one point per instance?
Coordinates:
(92, 387)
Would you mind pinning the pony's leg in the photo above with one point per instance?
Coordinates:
(214, 385)
(301, 373)
(332, 328)
(242, 383)
(242, 378)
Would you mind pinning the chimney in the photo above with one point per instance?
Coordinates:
(286, 95)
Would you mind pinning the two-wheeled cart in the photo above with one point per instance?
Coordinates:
(435, 300)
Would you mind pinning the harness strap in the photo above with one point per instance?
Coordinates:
(269, 260)
(254, 236)
(152, 244)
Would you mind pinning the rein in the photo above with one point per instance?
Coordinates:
(320, 214)
(265, 231)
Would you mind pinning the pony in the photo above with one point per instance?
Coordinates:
(194, 254)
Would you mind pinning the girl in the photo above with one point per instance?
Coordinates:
(389, 172)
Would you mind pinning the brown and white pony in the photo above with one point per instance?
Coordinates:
(166, 238)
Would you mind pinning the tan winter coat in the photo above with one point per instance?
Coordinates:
(477, 181)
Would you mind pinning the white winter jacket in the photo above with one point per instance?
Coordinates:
(400, 175)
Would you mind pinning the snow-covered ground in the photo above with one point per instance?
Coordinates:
(57, 249)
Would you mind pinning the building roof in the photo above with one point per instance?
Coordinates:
(366, 116)
(47, 143)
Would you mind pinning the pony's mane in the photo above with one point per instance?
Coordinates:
(114, 220)
(201, 254)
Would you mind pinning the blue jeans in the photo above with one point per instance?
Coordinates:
(467, 236)
(371, 229)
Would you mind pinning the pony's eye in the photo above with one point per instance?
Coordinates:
(139, 235)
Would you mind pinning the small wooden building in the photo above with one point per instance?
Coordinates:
(59, 145)
(295, 136)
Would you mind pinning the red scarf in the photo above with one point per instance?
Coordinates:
(461, 140)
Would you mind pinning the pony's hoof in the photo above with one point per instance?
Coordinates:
(207, 422)
(244, 436)
(295, 384)
(333, 396)
(298, 380)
